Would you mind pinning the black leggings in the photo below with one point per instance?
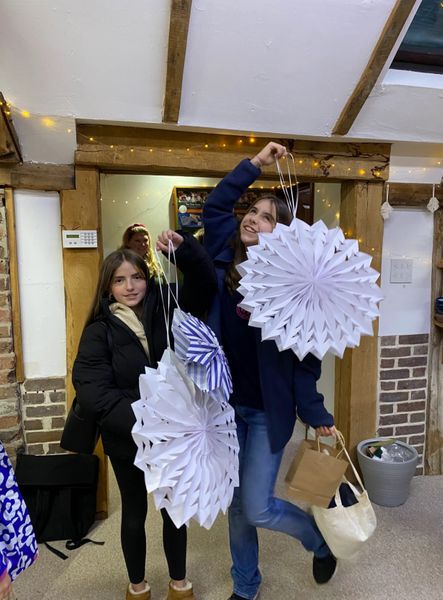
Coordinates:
(134, 497)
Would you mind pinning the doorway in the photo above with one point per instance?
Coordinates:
(147, 199)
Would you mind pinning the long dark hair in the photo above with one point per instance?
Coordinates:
(109, 266)
(283, 215)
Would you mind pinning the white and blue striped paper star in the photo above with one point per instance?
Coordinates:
(198, 347)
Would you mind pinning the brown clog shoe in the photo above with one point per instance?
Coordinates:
(143, 596)
(187, 594)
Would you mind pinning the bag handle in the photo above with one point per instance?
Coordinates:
(341, 440)
(318, 442)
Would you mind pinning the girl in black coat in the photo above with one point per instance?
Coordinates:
(125, 332)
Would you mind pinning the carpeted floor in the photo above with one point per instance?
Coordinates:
(403, 560)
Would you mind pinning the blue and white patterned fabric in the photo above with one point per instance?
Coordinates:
(18, 546)
(197, 346)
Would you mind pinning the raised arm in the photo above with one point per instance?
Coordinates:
(219, 220)
(199, 279)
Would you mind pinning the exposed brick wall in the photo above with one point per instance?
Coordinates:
(11, 432)
(403, 390)
(44, 410)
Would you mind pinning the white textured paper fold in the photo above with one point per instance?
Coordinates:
(309, 289)
(186, 444)
(198, 347)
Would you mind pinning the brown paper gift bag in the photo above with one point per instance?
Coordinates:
(315, 473)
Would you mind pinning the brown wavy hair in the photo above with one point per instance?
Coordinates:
(109, 266)
(283, 215)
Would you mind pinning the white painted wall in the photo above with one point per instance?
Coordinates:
(94, 59)
(416, 163)
(42, 300)
(406, 309)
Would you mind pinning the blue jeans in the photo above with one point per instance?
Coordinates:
(254, 504)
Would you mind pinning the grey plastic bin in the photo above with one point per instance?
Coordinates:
(387, 483)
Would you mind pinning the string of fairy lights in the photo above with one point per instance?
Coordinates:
(323, 165)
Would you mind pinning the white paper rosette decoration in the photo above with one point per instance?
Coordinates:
(198, 347)
(186, 444)
(309, 289)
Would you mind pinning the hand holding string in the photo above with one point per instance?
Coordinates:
(268, 155)
(168, 237)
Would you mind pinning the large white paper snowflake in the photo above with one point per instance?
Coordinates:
(198, 347)
(309, 289)
(186, 444)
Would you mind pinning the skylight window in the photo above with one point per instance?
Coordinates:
(422, 47)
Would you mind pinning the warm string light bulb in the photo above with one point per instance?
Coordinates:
(51, 123)
(48, 122)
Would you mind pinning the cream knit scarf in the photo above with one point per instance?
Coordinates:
(129, 318)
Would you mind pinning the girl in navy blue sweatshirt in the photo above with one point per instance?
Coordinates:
(270, 388)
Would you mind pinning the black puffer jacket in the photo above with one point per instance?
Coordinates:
(110, 357)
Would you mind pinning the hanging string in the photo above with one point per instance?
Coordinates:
(288, 191)
(386, 209)
(167, 309)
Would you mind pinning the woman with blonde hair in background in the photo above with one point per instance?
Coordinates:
(137, 238)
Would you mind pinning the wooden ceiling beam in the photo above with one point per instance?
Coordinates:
(377, 61)
(413, 194)
(9, 145)
(161, 151)
(178, 39)
(40, 176)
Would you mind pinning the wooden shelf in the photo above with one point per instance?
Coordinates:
(438, 322)
(439, 264)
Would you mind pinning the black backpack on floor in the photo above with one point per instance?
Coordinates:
(60, 493)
